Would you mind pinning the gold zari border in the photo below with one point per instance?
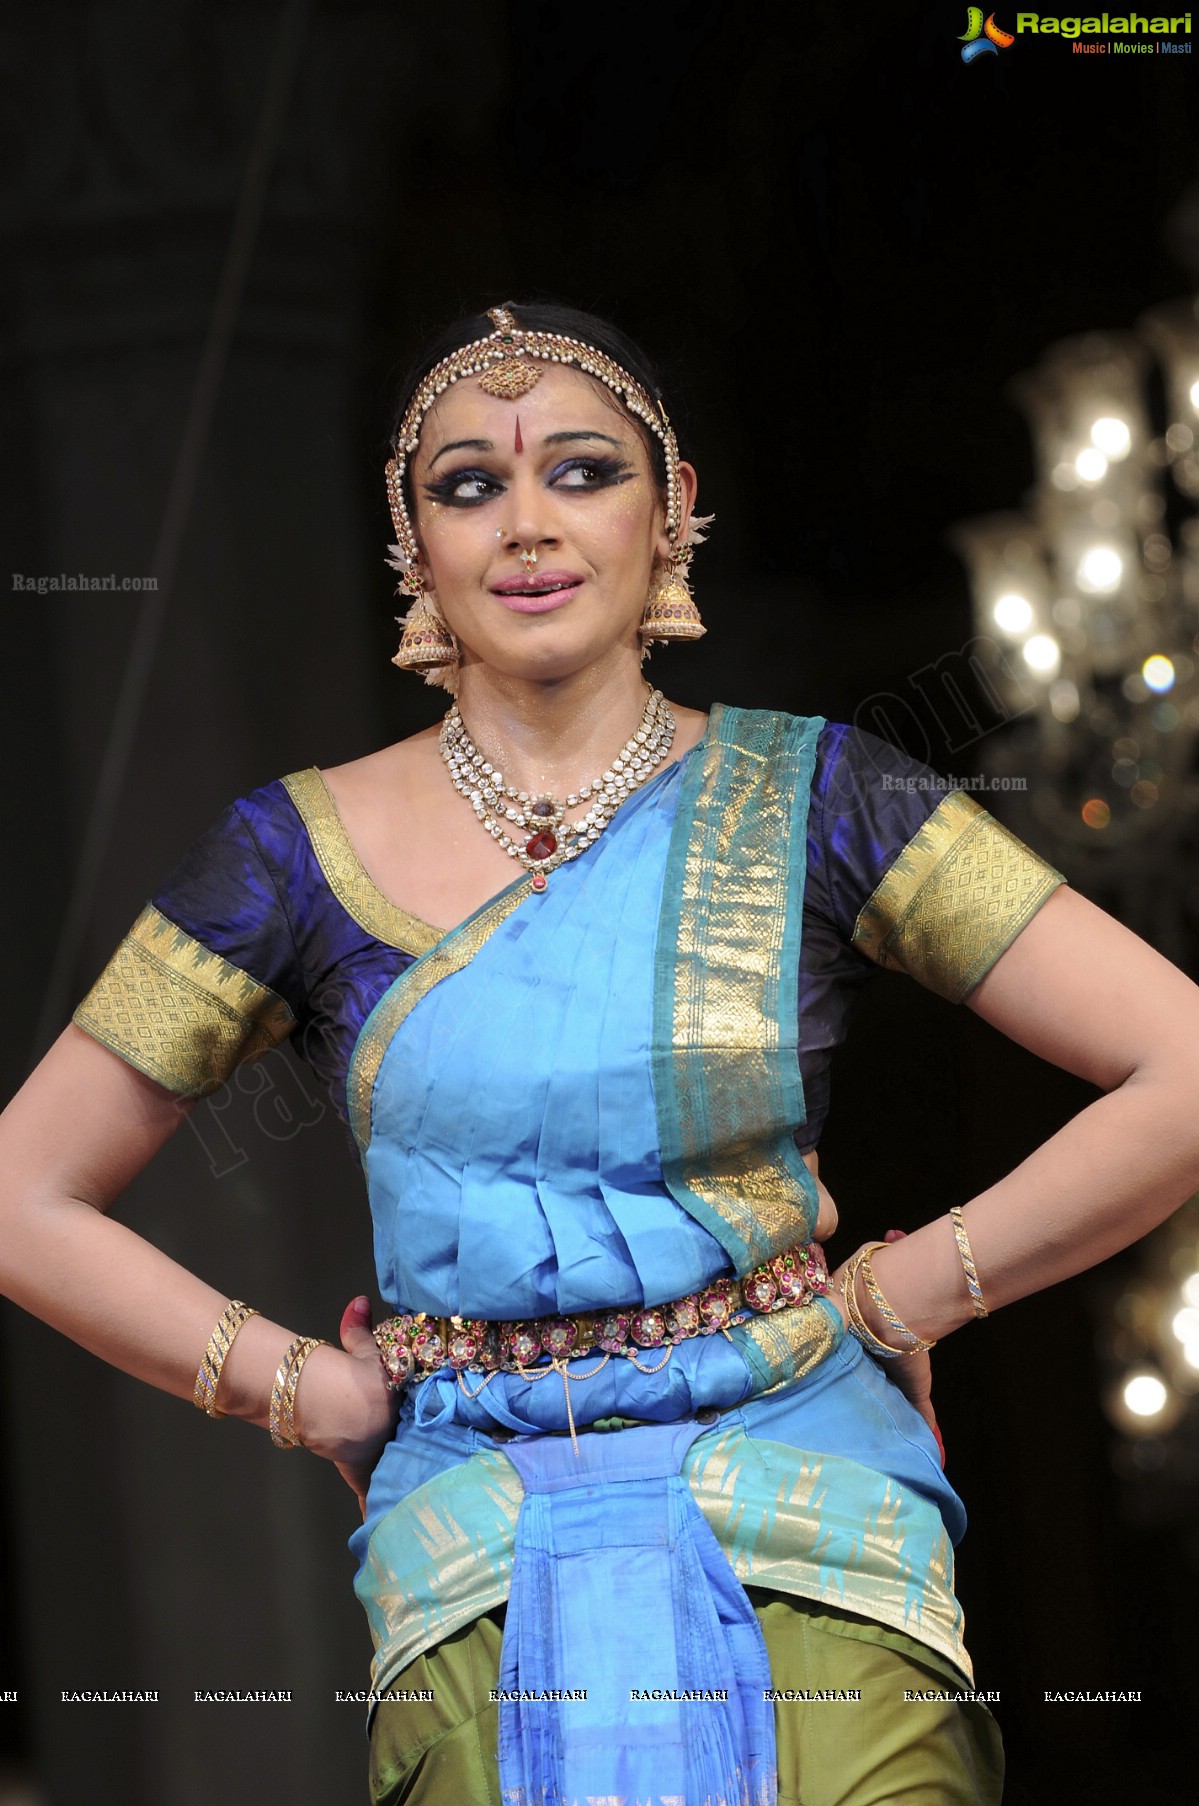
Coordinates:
(789, 1520)
(731, 1094)
(178, 1012)
(451, 953)
(817, 1527)
(452, 1571)
(345, 873)
(791, 1342)
(957, 895)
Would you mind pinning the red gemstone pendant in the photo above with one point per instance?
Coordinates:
(542, 846)
(539, 880)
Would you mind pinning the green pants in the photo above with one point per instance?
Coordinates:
(876, 1751)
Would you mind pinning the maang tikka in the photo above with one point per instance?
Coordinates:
(505, 363)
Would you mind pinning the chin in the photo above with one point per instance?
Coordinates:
(556, 655)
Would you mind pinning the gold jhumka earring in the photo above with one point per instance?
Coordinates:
(670, 611)
(426, 642)
(506, 366)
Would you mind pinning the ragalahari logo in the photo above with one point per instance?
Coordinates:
(981, 38)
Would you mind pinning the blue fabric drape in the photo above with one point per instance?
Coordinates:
(614, 1561)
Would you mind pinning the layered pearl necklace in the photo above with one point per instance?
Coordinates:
(545, 839)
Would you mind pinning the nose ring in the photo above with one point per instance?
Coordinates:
(501, 532)
(528, 559)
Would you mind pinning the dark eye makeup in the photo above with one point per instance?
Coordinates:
(469, 487)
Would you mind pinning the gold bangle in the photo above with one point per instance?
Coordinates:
(289, 1390)
(220, 1342)
(916, 1344)
(858, 1326)
(282, 1415)
(968, 1266)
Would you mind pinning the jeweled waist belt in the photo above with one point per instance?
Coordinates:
(415, 1345)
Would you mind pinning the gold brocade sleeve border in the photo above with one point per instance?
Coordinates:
(345, 873)
(956, 896)
(178, 1012)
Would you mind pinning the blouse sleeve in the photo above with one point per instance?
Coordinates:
(916, 874)
(208, 976)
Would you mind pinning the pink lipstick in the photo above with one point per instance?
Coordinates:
(537, 595)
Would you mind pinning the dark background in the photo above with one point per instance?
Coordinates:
(842, 243)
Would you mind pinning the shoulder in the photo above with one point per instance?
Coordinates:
(268, 813)
(258, 834)
(852, 760)
(317, 805)
(375, 783)
(763, 730)
(844, 756)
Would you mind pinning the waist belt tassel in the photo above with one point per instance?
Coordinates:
(620, 1589)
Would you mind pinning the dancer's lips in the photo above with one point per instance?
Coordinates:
(537, 594)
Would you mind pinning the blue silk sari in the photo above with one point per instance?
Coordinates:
(589, 1098)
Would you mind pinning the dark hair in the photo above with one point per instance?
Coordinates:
(545, 316)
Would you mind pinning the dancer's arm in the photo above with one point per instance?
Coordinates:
(81, 1128)
(1082, 991)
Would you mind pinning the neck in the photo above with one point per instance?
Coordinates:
(553, 735)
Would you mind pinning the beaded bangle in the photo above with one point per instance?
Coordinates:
(857, 1323)
(282, 1417)
(220, 1342)
(916, 1344)
(968, 1266)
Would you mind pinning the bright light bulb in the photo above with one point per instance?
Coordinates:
(1158, 672)
(1190, 1289)
(1185, 1323)
(1112, 437)
(1090, 464)
(1145, 1395)
(1195, 395)
(1190, 1354)
(1042, 654)
(1100, 570)
(1013, 613)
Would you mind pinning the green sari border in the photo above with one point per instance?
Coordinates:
(450, 954)
(725, 1056)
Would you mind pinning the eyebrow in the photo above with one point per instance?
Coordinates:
(564, 438)
(483, 445)
(488, 445)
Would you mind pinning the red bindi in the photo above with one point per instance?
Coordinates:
(519, 444)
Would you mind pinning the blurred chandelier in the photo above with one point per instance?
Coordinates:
(1150, 1337)
(1086, 620)
(1086, 603)
(1147, 1322)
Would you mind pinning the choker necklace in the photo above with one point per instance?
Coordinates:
(545, 839)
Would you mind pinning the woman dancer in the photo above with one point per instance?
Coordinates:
(632, 1467)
